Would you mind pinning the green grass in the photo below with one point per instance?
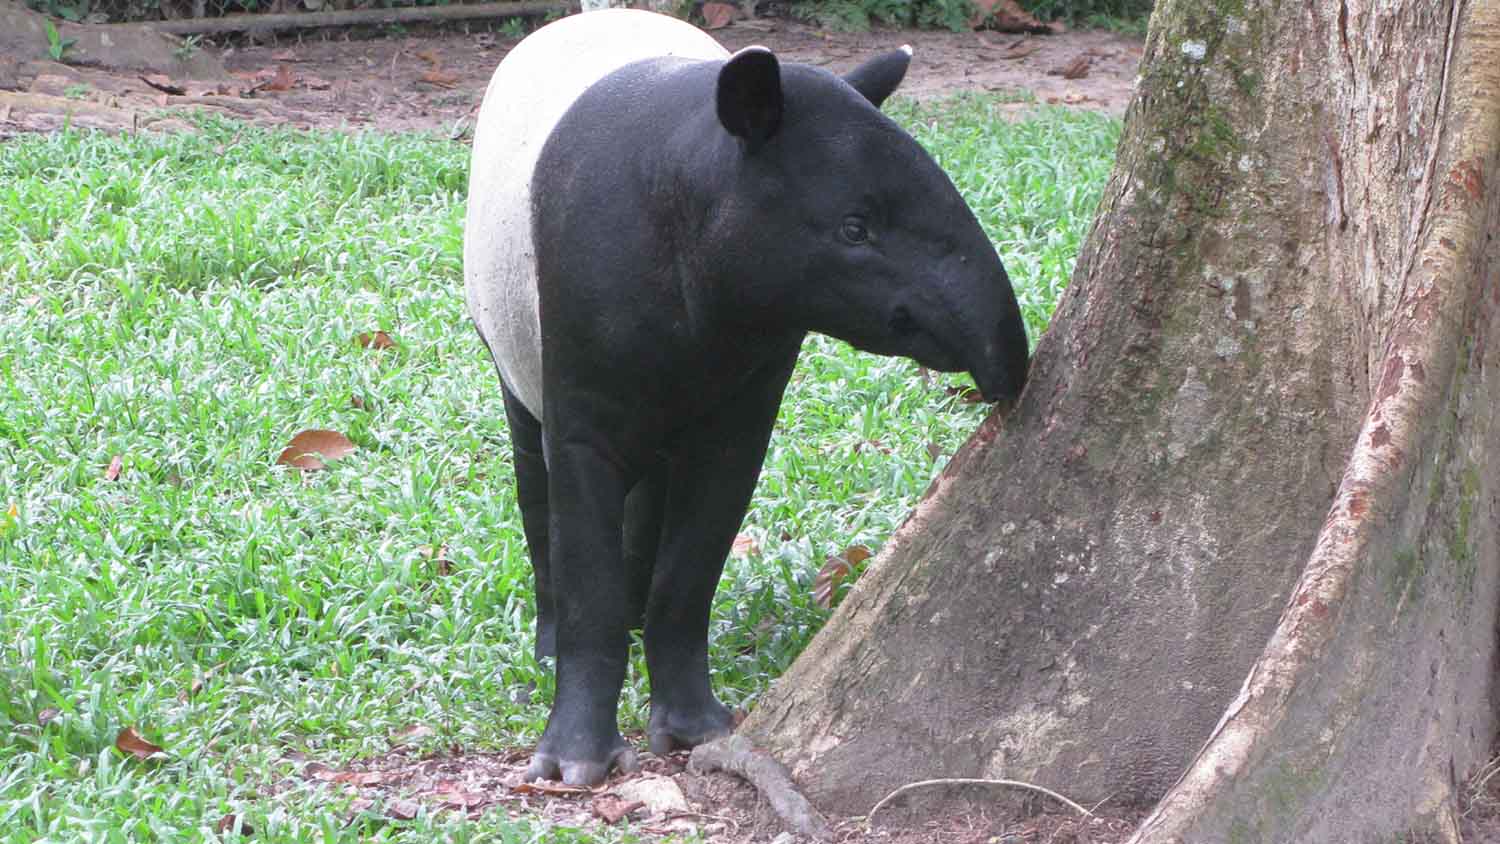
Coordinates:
(189, 302)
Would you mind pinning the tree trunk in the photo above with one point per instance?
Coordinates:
(1235, 550)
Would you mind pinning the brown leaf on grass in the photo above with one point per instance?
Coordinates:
(357, 402)
(934, 451)
(717, 16)
(439, 556)
(439, 77)
(129, 741)
(229, 823)
(47, 716)
(322, 773)
(835, 569)
(611, 809)
(1075, 69)
(162, 83)
(412, 732)
(452, 796)
(401, 810)
(305, 449)
(377, 341)
(115, 464)
(744, 545)
(548, 787)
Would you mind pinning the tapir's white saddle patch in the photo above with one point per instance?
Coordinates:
(529, 93)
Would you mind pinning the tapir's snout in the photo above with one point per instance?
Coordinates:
(1000, 371)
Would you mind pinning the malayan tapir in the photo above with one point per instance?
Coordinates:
(654, 225)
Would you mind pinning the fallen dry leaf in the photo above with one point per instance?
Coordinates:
(934, 451)
(612, 809)
(163, 83)
(115, 463)
(229, 823)
(439, 77)
(401, 810)
(717, 16)
(430, 57)
(129, 741)
(834, 570)
(443, 565)
(413, 732)
(283, 80)
(555, 789)
(47, 716)
(1005, 16)
(1020, 52)
(743, 546)
(454, 797)
(1075, 69)
(379, 340)
(305, 448)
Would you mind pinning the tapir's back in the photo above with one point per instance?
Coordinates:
(529, 93)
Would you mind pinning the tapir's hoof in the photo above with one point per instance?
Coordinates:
(587, 772)
(667, 734)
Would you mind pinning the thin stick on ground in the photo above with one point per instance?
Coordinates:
(738, 756)
(912, 786)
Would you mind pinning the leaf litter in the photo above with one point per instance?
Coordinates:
(404, 783)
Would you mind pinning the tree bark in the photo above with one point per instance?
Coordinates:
(1235, 549)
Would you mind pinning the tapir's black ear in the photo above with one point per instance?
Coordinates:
(750, 95)
(878, 77)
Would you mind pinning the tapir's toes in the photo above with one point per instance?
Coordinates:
(663, 742)
(543, 766)
(585, 772)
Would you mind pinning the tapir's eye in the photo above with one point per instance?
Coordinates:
(853, 231)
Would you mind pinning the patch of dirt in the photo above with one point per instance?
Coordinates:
(434, 82)
(721, 808)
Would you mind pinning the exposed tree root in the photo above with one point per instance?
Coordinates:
(736, 755)
(912, 786)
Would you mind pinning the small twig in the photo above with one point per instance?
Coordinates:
(737, 755)
(963, 781)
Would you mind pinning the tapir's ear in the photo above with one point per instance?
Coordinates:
(878, 77)
(750, 95)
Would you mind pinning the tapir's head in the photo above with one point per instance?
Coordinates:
(848, 227)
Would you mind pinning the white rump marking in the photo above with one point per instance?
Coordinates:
(531, 89)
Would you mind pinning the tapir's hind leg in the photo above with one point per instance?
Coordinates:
(713, 472)
(643, 516)
(531, 493)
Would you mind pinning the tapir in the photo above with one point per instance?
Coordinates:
(654, 225)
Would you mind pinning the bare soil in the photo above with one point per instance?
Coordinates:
(434, 81)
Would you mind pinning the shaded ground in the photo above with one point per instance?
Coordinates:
(435, 81)
(666, 799)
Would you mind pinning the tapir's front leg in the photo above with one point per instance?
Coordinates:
(586, 496)
(714, 467)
